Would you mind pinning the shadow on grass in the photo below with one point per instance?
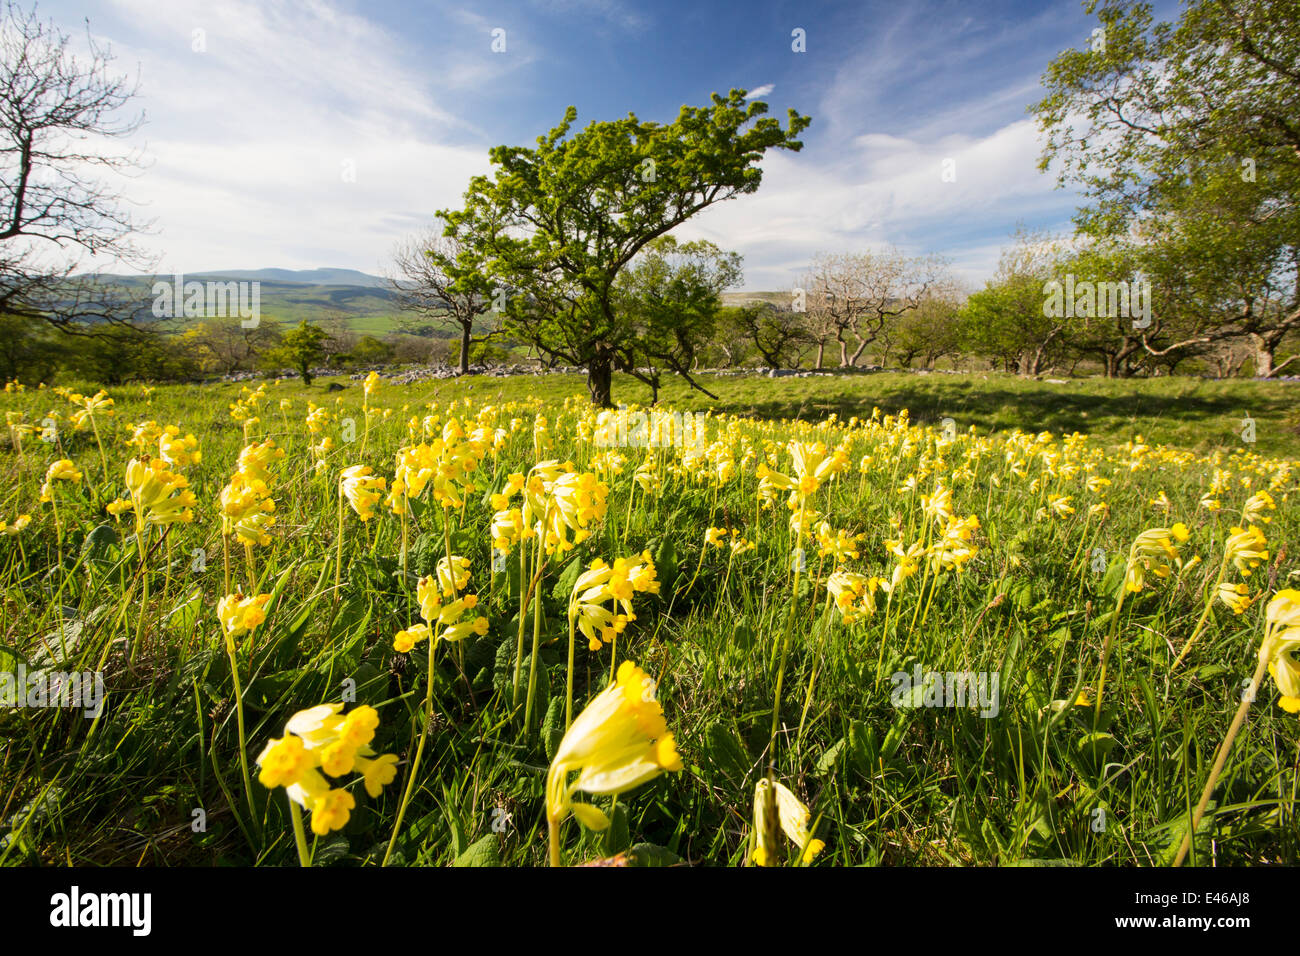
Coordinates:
(1188, 413)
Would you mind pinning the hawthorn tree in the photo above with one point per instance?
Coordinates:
(437, 281)
(670, 295)
(59, 112)
(555, 225)
(1186, 135)
(300, 348)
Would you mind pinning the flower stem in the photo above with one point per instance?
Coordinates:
(1222, 757)
(1214, 592)
(239, 723)
(419, 752)
(299, 837)
(553, 827)
(1105, 654)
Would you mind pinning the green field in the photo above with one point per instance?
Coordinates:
(756, 666)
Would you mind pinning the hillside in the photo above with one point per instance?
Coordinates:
(366, 301)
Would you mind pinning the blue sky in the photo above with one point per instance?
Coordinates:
(305, 133)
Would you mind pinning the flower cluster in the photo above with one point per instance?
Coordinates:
(320, 742)
(618, 742)
(616, 583)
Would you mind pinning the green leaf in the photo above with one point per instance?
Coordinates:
(482, 852)
(553, 727)
(648, 854)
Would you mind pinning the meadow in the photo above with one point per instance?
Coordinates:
(553, 636)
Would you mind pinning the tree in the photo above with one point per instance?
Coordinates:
(224, 345)
(1009, 318)
(931, 330)
(557, 224)
(438, 281)
(369, 350)
(57, 112)
(1186, 136)
(1106, 325)
(300, 348)
(779, 335)
(670, 295)
(851, 298)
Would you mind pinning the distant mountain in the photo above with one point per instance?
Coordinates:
(300, 276)
(366, 302)
(352, 277)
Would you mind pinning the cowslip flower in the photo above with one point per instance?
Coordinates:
(618, 742)
(1246, 549)
(854, 594)
(1282, 644)
(320, 742)
(1151, 552)
(246, 510)
(452, 583)
(158, 496)
(239, 615)
(61, 470)
(22, 521)
(1256, 507)
(362, 490)
(178, 452)
(793, 817)
(1235, 596)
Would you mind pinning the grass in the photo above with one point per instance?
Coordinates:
(1044, 780)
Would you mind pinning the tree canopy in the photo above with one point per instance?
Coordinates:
(555, 225)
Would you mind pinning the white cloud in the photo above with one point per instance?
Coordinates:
(248, 140)
(758, 91)
(885, 190)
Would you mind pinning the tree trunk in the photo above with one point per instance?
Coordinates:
(600, 380)
(465, 329)
(821, 352)
(862, 346)
(1263, 355)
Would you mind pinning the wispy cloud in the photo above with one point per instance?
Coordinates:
(302, 133)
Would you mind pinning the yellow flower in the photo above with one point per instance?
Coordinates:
(61, 470)
(451, 584)
(1281, 646)
(854, 594)
(1246, 549)
(322, 739)
(12, 529)
(1150, 553)
(618, 742)
(176, 451)
(1255, 506)
(1236, 596)
(362, 490)
(793, 817)
(403, 641)
(255, 460)
(246, 508)
(239, 615)
(429, 597)
(158, 496)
